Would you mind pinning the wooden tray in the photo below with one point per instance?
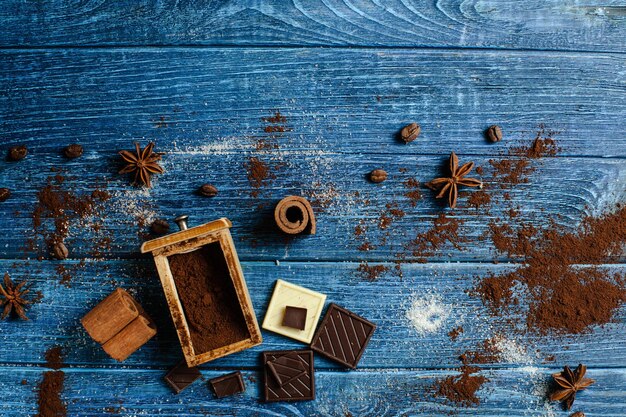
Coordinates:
(188, 240)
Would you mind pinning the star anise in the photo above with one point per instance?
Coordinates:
(143, 163)
(449, 185)
(569, 383)
(14, 298)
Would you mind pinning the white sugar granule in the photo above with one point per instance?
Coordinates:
(428, 314)
(512, 352)
(220, 146)
(136, 203)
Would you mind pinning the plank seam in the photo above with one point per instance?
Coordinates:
(302, 46)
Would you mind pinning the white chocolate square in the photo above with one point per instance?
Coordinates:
(286, 294)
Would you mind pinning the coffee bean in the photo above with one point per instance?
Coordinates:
(207, 190)
(410, 132)
(73, 151)
(378, 175)
(59, 250)
(494, 133)
(17, 153)
(5, 193)
(160, 227)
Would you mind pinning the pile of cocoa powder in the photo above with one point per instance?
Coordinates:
(558, 295)
(563, 287)
(51, 386)
(208, 296)
(461, 389)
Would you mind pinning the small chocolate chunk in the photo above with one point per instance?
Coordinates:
(410, 132)
(181, 376)
(342, 336)
(160, 227)
(73, 151)
(59, 251)
(207, 190)
(300, 388)
(286, 369)
(17, 153)
(378, 175)
(295, 317)
(5, 193)
(494, 133)
(227, 385)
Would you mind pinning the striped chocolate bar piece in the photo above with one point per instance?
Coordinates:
(342, 336)
(286, 369)
(284, 376)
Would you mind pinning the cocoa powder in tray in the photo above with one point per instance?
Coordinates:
(208, 297)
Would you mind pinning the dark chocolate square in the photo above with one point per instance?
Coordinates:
(295, 317)
(342, 336)
(287, 368)
(227, 385)
(181, 376)
(299, 388)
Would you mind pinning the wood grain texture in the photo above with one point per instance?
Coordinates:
(395, 344)
(202, 78)
(533, 24)
(130, 392)
(561, 188)
(335, 101)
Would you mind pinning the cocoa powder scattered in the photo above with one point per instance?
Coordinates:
(371, 272)
(455, 333)
(487, 351)
(58, 208)
(413, 192)
(479, 199)
(564, 288)
(208, 296)
(276, 118)
(389, 215)
(517, 166)
(445, 230)
(460, 389)
(259, 174)
(508, 172)
(51, 386)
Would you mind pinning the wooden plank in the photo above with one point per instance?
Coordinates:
(564, 188)
(532, 24)
(395, 344)
(511, 392)
(334, 101)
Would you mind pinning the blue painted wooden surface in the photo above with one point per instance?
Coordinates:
(199, 77)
